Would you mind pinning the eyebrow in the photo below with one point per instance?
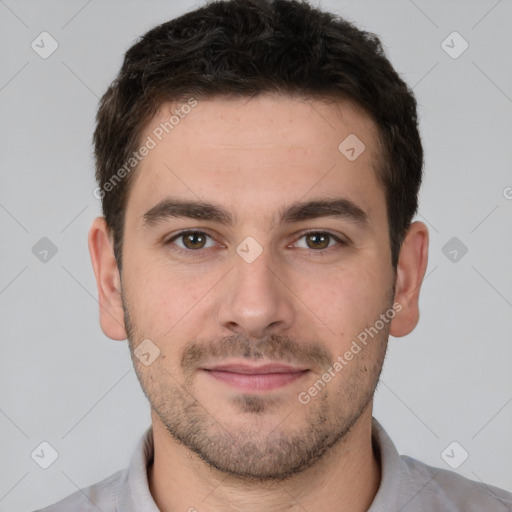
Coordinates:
(172, 207)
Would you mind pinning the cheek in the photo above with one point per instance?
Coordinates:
(351, 299)
(163, 302)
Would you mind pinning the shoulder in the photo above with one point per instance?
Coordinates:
(99, 496)
(429, 488)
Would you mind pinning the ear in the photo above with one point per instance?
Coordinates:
(108, 280)
(412, 264)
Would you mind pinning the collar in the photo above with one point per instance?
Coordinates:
(133, 493)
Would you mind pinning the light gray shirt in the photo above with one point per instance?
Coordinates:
(407, 485)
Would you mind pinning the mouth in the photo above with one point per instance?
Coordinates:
(255, 378)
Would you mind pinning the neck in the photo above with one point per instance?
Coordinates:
(346, 478)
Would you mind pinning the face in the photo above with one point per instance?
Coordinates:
(255, 254)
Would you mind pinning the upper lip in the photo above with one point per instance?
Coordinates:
(253, 369)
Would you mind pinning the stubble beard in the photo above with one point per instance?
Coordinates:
(247, 454)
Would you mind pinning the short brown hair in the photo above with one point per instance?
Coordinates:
(250, 47)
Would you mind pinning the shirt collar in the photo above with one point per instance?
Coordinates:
(389, 490)
(134, 495)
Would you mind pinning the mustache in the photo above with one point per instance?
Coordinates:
(273, 347)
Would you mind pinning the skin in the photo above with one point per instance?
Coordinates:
(218, 447)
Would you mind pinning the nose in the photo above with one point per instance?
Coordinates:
(255, 299)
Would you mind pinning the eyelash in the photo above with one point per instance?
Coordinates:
(199, 252)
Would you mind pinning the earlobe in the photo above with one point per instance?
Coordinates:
(412, 265)
(108, 280)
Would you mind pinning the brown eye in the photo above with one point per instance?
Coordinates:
(194, 240)
(318, 240)
(191, 241)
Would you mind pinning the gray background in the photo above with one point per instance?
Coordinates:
(62, 381)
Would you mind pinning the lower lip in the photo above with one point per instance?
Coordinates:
(256, 381)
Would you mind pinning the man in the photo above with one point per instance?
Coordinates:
(259, 164)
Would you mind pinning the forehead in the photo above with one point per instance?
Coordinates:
(263, 151)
